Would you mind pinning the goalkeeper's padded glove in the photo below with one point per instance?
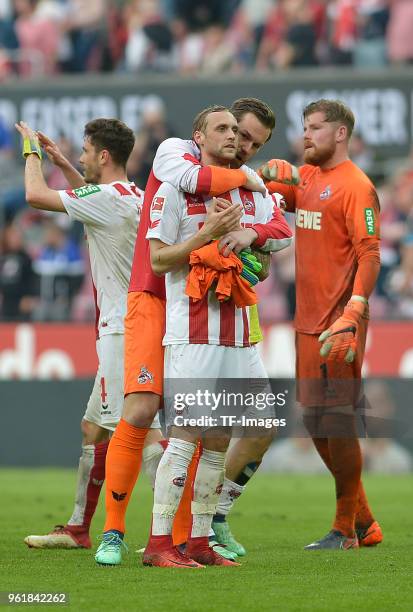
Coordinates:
(340, 339)
(31, 145)
(251, 267)
(280, 171)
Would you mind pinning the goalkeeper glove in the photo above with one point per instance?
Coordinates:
(31, 145)
(251, 267)
(340, 339)
(280, 171)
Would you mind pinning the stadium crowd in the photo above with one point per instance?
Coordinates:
(200, 36)
(43, 274)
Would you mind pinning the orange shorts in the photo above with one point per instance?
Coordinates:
(144, 331)
(327, 383)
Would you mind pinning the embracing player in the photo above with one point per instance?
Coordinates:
(204, 339)
(176, 162)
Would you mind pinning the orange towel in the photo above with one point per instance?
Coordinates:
(207, 266)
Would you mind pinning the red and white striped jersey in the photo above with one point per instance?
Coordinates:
(110, 214)
(175, 217)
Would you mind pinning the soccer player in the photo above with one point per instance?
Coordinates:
(256, 122)
(176, 162)
(203, 339)
(337, 263)
(109, 207)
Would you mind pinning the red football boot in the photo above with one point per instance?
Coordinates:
(160, 552)
(62, 536)
(199, 550)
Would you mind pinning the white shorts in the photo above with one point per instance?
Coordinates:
(200, 367)
(212, 361)
(105, 404)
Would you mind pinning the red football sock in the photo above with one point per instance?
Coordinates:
(183, 518)
(97, 477)
(91, 475)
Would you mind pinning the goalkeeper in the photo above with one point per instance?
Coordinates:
(337, 264)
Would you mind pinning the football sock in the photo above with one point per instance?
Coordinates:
(207, 488)
(169, 484)
(247, 473)
(90, 478)
(123, 462)
(364, 516)
(151, 457)
(230, 492)
(345, 454)
(183, 519)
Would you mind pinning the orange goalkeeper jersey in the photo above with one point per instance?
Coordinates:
(337, 229)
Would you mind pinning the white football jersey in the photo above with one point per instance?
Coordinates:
(175, 217)
(110, 214)
(178, 162)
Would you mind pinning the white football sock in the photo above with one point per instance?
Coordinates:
(151, 457)
(169, 484)
(208, 481)
(86, 463)
(230, 492)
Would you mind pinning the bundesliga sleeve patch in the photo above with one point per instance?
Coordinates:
(370, 223)
(158, 203)
(87, 190)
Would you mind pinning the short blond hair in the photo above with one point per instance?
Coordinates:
(201, 119)
(334, 110)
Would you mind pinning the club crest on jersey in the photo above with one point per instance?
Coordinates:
(324, 195)
(248, 203)
(158, 203)
(179, 481)
(144, 376)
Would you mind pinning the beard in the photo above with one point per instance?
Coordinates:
(318, 157)
(91, 177)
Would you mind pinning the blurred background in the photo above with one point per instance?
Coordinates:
(155, 64)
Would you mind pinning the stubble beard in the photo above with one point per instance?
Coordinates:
(91, 178)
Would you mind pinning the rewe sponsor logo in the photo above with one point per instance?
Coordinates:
(308, 219)
(195, 205)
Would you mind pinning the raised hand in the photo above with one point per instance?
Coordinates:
(52, 150)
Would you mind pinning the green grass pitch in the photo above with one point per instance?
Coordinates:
(274, 519)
